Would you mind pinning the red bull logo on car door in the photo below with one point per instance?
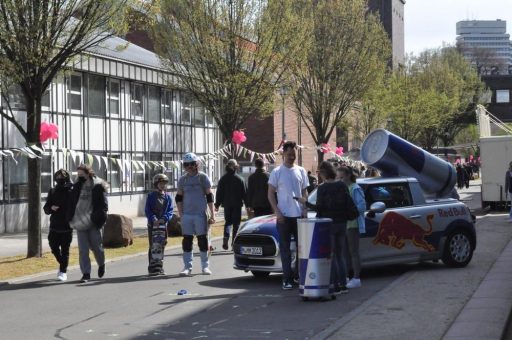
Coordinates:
(395, 230)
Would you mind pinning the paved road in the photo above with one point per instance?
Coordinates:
(396, 302)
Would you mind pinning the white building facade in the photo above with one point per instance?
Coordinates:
(118, 110)
(477, 36)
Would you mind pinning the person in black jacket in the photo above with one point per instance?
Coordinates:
(61, 234)
(257, 190)
(231, 194)
(88, 214)
(333, 201)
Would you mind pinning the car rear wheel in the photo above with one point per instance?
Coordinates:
(257, 273)
(457, 249)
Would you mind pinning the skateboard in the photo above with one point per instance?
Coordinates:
(159, 240)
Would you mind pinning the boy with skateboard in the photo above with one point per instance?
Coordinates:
(158, 211)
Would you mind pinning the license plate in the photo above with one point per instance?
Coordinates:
(251, 250)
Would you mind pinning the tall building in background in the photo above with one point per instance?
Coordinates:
(486, 44)
(391, 14)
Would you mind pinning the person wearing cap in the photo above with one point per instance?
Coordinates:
(158, 211)
(231, 194)
(87, 215)
(195, 206)
(257, 188)
(61, 235)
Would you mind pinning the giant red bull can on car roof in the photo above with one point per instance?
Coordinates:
(394, 156)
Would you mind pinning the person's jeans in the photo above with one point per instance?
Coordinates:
(91, 238)
(232, 217)
(59, 244)
(338, 267)
(353, 258)
(286, 231)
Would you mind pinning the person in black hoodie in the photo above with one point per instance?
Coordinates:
(231, 194)
(61, 234)
(88, 214)
(257, 190)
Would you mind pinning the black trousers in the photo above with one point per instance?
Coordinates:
(262, 211)
(232, 217)
(59, 244)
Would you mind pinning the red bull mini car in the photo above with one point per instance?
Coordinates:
(401, 227)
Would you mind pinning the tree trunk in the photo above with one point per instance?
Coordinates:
(34, 242)
(320, 156)
(34, 245)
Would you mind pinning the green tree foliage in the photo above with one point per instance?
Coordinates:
(38, 39)
(433, 97)
(230, 54)
(346, 47)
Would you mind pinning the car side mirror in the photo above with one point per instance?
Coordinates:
(378, 207)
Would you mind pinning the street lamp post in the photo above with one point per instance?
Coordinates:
(283, 91)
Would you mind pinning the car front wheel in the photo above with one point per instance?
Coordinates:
(457, 249)
(259, 273)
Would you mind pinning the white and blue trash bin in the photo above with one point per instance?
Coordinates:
(314, 258)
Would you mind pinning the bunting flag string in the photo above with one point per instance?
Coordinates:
(125, 165)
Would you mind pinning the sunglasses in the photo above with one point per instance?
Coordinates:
(189, 164)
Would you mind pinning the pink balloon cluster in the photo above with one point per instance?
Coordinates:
(48, 131)
(238, 137)
(339, 150)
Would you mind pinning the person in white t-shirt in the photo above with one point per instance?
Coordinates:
(290, 182)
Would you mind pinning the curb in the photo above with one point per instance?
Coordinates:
(486, 314)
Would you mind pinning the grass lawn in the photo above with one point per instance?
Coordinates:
(16, 266)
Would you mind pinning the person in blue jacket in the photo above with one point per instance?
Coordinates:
(159, 210)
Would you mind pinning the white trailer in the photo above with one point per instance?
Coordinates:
(495, 156)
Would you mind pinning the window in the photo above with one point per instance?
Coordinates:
(137, 174)
(95, 89)
(45, 100)
(209, 119)
(18, 186)
(167, 107)
(16, 98)
(74, 92)
(113, 90)
(136, 100)
(114, 174)
(153, 104)
(186, 108)
(198, 114)
(46, 174)
(502, 96)
(393, 195)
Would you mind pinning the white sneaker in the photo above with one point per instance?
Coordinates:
(354, 283)
(62, 276)
(186, 272)
(207, 271)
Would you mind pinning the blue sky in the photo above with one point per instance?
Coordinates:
(429, 23)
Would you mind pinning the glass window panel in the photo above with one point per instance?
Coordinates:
(186, 108)
(198, 114)
(137, 100)
(502, 96)
(16, 98)
(18, 186)
(154, 104)
(114, 176)
(167, 105)
(113, 96)
(74, 92)
(96, 91)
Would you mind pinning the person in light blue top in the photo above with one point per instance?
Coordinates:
(354, 227)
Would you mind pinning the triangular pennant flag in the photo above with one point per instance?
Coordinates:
(65, 153)
(105, 160)
(98, 158)
(36, 148)
(251, 154)
(73, 155)
(136, 165)
(90, 159)
(10, 153)
(27, 151)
